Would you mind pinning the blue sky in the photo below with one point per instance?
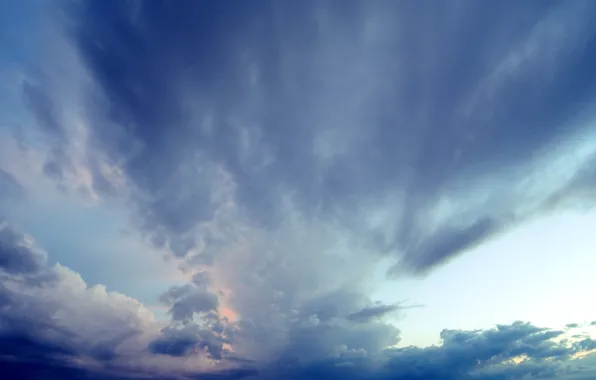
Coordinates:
(300, 189)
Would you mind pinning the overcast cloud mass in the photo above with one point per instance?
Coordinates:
(276, 161)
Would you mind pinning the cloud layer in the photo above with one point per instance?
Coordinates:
(53, 324)
(282, 152)
(341, 111)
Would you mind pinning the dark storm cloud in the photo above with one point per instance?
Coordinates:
(53, 371)
(62, 371)
(336, 103)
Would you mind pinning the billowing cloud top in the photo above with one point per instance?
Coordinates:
(284, 154)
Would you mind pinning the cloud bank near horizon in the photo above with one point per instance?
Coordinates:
(53, 323)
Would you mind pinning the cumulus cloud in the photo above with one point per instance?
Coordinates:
(52, 322)
(187, 300)
(196, 324)
(61, 314)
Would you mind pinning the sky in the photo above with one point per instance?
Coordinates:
(301, 190)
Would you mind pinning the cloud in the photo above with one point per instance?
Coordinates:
(238, 134)
(486, 354)
(286, 149)
(267, 106)
(187, 300)
(10, 188)
(64, 328)
(515, 351)
(192, 337)
(444, 243)
(52, 322)
(196, 324)
(587, 344)
(376, 311)
(47, 115)
(17, 256)
(50, 313)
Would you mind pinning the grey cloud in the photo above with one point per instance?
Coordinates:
(45, 110)
(201, 278)
(544, 336)
(474, 355)
(195, 324)
(65, 329)
(376, 311)
(289, 300)
(187, 300)
(483, 355)
(42, 93)
(314, 330)
(324, 340)
(9, 187)
(183, 341)
(443, 244)
(57, 370)
(17, 255)
(53, 169)
(49, 119)
(65, 371)
(587, 344)
(175, 346)
(50, 317)
(29, 319)
(330, 347)
(324, 116)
